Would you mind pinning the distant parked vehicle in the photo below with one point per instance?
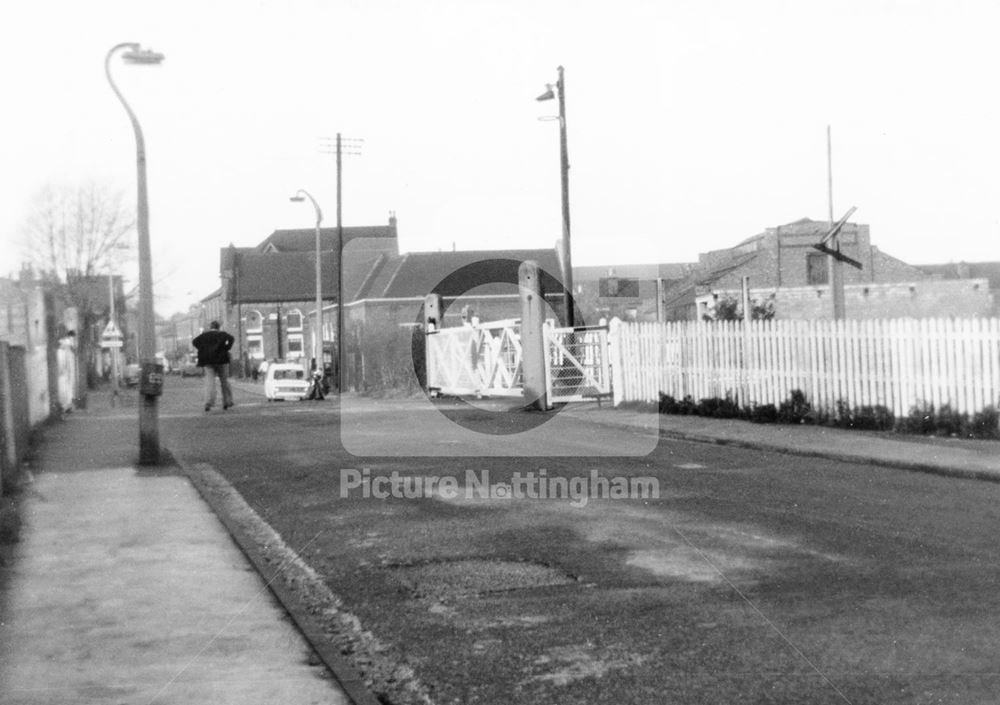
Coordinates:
(131, 376)
(285, 380)
(189, 369)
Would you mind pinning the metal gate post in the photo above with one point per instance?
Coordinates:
(432, 324)
(432, 313)
(532, 335)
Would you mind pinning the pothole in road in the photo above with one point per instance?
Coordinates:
(458, 578)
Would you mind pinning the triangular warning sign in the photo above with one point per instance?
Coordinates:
(111, 331)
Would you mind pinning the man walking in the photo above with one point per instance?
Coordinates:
(213, 355)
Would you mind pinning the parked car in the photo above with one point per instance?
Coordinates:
(132, 373)
(189, 369)
(285, 380)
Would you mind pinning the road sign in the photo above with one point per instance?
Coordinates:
(111, 331)
(838, 255)
(834, 251)
(836, 228)
(112, 343)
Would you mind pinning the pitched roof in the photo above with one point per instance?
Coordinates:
(802, 226)
(261, 274)
(282, 276)
(290, 276)
(451, 274)
(282, 266)
(373, 237)
(706, 277)
(683, 291)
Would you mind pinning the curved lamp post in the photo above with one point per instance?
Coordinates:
(300, 196)
(149, 434)
(565, 254)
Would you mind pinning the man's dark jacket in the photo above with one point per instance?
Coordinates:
(213, 347)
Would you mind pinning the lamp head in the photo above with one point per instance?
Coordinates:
(548, 94)
(297, 198)
(138, 55)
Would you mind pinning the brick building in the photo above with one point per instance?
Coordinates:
(786, 270)
(624, 291)
(267, 297)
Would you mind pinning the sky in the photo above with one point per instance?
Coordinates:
(691, 124)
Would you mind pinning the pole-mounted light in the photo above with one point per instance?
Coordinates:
(565, 251)
(299, 197)
(151, 381)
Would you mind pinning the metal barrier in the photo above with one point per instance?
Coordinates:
(481, 359)
(577, 366)
(485, 359)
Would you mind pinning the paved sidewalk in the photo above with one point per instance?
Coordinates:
(126, 588)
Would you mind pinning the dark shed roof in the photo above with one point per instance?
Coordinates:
(367, 237)
(451, 274)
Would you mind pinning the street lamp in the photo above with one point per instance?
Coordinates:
(299, 197)
(565, 252)
(149, 433)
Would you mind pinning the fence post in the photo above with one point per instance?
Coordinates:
(616, 361)
(532, 335)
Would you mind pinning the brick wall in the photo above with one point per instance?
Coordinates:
(781, 256)
(927, 298)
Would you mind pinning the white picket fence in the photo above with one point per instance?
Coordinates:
(898, 363)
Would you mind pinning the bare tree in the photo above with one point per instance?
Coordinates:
(76, 236)
(77, 231)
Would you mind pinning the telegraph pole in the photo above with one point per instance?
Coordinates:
(567, 251)
(565, 248)
(340, 270)
(354, 147)
(836, 269)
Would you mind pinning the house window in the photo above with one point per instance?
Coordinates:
(255, 347)
(295, 346)
(817, 271)
(294, 320)
(255, 322)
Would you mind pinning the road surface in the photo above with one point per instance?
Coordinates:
(752, 578)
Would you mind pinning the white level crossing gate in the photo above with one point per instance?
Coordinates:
(486, 360)
(576, 363)
(475, 360)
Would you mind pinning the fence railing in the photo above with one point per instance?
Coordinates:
(899, 364)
